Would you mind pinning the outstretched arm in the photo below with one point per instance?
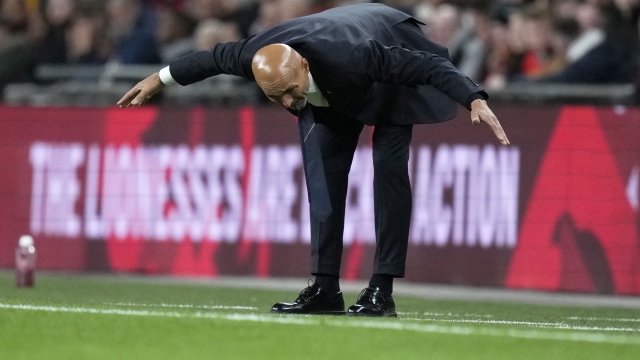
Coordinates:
(373, 62)
(224, 58)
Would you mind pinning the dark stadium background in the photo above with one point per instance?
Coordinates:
(561, 75)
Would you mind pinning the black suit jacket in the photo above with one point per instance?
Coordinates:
(371, 62)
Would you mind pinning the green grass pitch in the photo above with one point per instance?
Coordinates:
(79, 317)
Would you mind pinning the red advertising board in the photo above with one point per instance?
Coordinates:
(206, 192)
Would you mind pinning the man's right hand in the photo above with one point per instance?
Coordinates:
(480, 112)
(142, 92)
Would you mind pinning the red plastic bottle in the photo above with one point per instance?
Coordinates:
(25, 262)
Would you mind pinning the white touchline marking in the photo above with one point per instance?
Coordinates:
(602, 319)
(511, 322)
(480, 321)
(444, 314)
(518, 333)
(186, 306)
(552, 325)
(551, 334)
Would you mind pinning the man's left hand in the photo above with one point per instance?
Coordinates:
(142, 92)
(480, 112)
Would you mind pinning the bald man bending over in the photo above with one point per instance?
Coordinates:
(339, 70)
(283, 75)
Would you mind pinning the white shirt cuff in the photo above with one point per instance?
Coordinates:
(165, 76)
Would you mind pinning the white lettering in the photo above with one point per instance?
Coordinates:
(359, 219)
(460, 166)
(484, 206)
(39, 157)
(55, 188)
(442, 179)
(421, 227)
(232, 185)
(473, 201)
(507, 227)
(463, 195)
(93, 224)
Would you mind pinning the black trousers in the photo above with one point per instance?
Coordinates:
(329, 142)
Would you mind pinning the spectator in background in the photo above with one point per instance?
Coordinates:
(494, 42)
(131, 31)
(291, 9)
(621, 22)
(591, 22)
(85, 38)
(173, 34)
(445, 25)
(406, 6)
(57, 17)
(564, 9)
(5, 34)
(536, 39)
(17, 42)
(466, 50)
(595, 57)
(241, 12)
(506, 47)
(482, 28)
(424, 11)
(268, 17)
(13, 25)
(205, 9)
(564, 32)
(179, 5)
(211, 32)
(13, 16)
(273, 12)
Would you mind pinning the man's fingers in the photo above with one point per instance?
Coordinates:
(128, 97)
(475, 120)
(142, 92)
(499, 131)
(503, 138)
(134, 97)
(140, 99)
(493, 122)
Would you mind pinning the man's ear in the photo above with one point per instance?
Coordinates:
(305, 65)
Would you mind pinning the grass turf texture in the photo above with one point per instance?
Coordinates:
(75, 317)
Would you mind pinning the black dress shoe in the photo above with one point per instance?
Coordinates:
(373, 302)
(312, 300)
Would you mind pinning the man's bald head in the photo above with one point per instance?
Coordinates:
(281, 72)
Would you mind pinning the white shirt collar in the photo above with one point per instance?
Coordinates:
(312, 85)
(314, 96)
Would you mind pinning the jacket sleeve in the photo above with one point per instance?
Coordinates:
(224, 58)
(373, 62)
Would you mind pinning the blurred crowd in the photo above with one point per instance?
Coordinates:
(494, 42)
